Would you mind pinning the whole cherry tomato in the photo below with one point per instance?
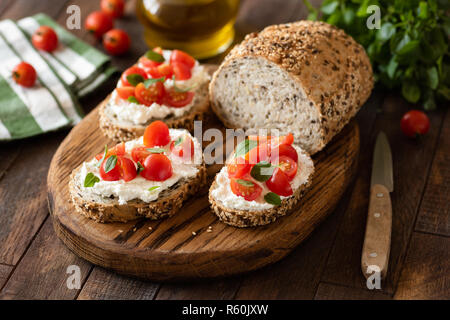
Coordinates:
(156, 134)
(116, 42)
(98, 23)
(113, 8)
(45, 38)
(24, 74)
(415, 123)
(157, 167)
(245, 188)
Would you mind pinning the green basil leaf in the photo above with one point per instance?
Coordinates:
(178, 141)
(432, 78)
(134, 79)
(103, 158)
(245, 183)
(406, 46)
(154, 56)
(349, 15)
(429, 103)
(386, 31)
(156, 150)
(153, 188)
(329, 8)
(392, 67)
(140, 167)
(272, 198)
(262, 171)
(149, 82)
(132, 99)
(422, 11)
(110, 163)
(90, 180)
(244, 147)
(411, 91)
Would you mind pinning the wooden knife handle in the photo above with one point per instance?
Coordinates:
(377, 242)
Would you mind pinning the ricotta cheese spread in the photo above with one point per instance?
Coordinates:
(138, 188)
(224, 195)
(139, 114)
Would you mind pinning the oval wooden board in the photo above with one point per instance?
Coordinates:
(168, 249)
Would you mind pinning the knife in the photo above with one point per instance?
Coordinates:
(377, 241)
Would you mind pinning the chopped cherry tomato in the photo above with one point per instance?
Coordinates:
(287, 139)
(116, 42)
(279, 183)
(288, 166)
(181, 71)
(130, 71)
(147, 63)
(139, 154)
(178, 56)
(259, 153)
(24, 74)
(177, 99)
(124, 169)
(415, 123)
(184, 148)
(156, 134)
(249, 193)
(238, 168)
(118, 150)
(45, 38)
(284, 150)
(113, 8)
(125, 92)
(113, 174)
(148, 96)
(98, 23)
(157, 167)
(163, 70)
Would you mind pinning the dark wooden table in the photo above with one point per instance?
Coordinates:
(33, 262)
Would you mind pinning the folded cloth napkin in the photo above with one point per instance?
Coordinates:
(71, 71)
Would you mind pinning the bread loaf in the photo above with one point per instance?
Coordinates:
(308, 78)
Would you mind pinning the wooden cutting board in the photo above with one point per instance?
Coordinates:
(168, 249)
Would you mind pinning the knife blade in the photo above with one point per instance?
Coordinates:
(377, 240)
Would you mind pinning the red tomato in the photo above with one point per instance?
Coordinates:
(260, 139)
(24, 74)
(127, 168)
(279, 183)
(287, 139)
(45, 38)
(147, 63)
(157, 167)
(98, 23)
(181, 71)
(163, 70)
(238, 168)
(118, 150)
(139, 154)
(176, 99)
(112, 175)
(113, 8)
(284, 150)
(125, 92)
(178, 56)
(184, 148)
(259, 153)
(249, 193)
(415, 123)
(156, 134)
(288, 166)
(147, 96)
(116, 42)
(130, 71)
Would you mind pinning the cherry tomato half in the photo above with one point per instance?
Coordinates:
(238, 168)
(284, 150)
(116, 42)
(118, 150)
(157, 167)
(45, 38)
(130, 71)
(415, 123)
(249, 192)
(176, 99)
(156, 134)
(148, 96)
(139, 154)
(125, 92)
(162, 70)
(113, 8)
(98, 23)
(124, 169)
(178, 56)
(181, 71)
(288, 166)
(184, 148)
(24, 74)
(279, 183)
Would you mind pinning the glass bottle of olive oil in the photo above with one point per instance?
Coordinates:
(202, 28)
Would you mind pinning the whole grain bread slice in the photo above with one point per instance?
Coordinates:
(106, 210)
(123, 131)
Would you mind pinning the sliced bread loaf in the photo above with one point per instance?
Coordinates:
(308, 78)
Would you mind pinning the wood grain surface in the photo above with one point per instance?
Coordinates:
(167, 249)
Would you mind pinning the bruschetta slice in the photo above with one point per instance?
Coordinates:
(263, 179)
(148, 177)
(167, 85)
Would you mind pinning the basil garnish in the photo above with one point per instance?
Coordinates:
(154, 56)
(110, 163)
(140, 167)
(244, 147)
(133, 99)
(178, 89)
(90, 180)
(245, 183)
(262, 171)
(156, 150)
(134, 79)
(104, 156)
(153, 188)
(178, 141)
(149, 82)
(272, 198)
